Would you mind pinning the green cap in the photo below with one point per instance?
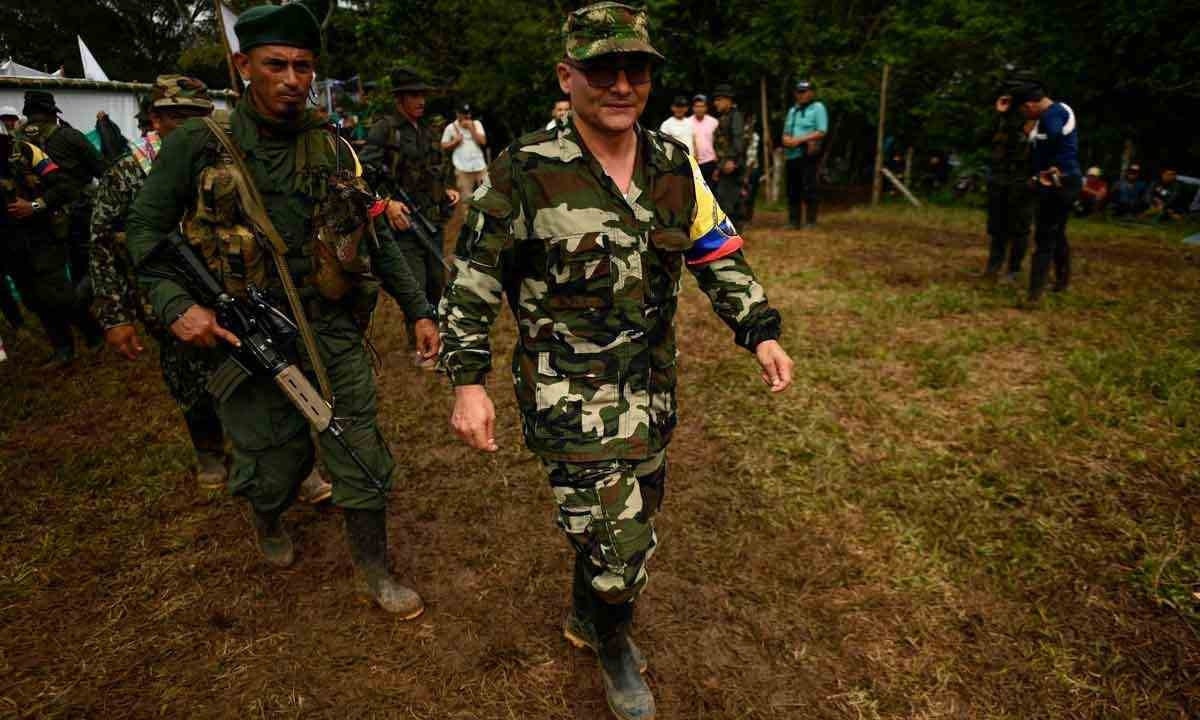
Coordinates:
(179, 92)
(293, 25)
(605, 28)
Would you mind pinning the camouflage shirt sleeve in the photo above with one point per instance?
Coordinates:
(473, 297)
(720, 267)
(114, 294)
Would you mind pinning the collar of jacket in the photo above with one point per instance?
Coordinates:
(654, 150)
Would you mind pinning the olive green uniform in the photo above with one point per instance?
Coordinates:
(406, 155)
(272, 448)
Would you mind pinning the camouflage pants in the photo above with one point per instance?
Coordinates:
(272, 448)
(186, 371)
(607, 509)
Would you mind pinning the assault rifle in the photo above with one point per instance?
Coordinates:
(264, 332)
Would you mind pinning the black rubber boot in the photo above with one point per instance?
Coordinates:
(628, 695)
(273, 540)
(580, 626)
(366, 532)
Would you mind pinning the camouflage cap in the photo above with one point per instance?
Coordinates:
(179, 92)
(605, 28)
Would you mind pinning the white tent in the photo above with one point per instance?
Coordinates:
(11, 68)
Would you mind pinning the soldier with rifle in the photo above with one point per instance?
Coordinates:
(405, 163)
(269, 200)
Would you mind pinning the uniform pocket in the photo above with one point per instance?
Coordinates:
(240, 259)
(578, 403)
(579, 271)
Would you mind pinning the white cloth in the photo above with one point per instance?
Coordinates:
(91, 68)
(682, 129)
(467, 155)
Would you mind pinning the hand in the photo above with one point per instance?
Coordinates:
(453, 196)
(716, 175)
(474, 417)
(124, 339)
(729, 167)
(20, 209)
(198, 326)
(1003, 103)
(428, 340)
(790, 141)
(100, 115)
(398, 215)
(776, 365)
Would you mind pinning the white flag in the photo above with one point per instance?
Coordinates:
(91, 68)
(228, 20)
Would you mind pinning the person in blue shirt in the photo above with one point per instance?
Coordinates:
(1129, 193)
(803, 137)
(1056, 179)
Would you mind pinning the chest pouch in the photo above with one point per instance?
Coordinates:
(218, 229)
(341, 258)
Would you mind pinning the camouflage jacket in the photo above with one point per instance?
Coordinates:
(118, 300)
(401, 154)
(729, 140)
(592, 277)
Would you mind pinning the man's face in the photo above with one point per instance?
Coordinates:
(10, 122)
(608, 93)
(562, 108)
(722, 104)
(280, 78)
(803, 97)
(700, 109)
(1133, 173)
(37, 118)
(1169, 176)
(165, 123)
(411, 105)
(1032, 110)
(679, 110)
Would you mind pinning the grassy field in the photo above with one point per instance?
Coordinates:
(961, 510)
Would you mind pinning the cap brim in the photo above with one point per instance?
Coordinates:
(413, 87)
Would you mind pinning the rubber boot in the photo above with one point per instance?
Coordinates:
(580, 626)
(273, 540)
(366, 532)
(628, 695)
(208, 439)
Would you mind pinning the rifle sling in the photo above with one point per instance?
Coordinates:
(256, 210)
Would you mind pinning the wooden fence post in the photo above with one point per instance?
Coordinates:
(877, 182)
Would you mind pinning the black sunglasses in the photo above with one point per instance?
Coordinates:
(604, 74)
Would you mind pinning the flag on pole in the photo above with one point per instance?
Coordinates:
(228, 20)
(91, 68)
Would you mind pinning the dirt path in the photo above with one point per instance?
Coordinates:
(914, 532)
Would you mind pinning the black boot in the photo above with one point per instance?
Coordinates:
(208, 439)
(624, 687)
(366, 532)
(273, 540)
(580, 626)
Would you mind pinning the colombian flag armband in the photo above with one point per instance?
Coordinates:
(713, 235)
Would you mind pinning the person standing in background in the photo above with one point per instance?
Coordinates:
(465, 139)
(803, 137)
(729, 143)
(559, 113)
(679, 125)
(704, 127)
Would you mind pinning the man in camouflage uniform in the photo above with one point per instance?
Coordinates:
(39, 196)
(404, 152)
(1010, 204)
(729, 142)
(81, 162)
(117, 303)
(327, 246)
(586, 229)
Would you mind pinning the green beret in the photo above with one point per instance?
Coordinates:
(293, 25)
(605, 28)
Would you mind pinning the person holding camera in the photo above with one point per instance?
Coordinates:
(803, 137)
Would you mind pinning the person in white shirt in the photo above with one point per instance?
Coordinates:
(560, 113)
(679, 126)
(465, 140)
